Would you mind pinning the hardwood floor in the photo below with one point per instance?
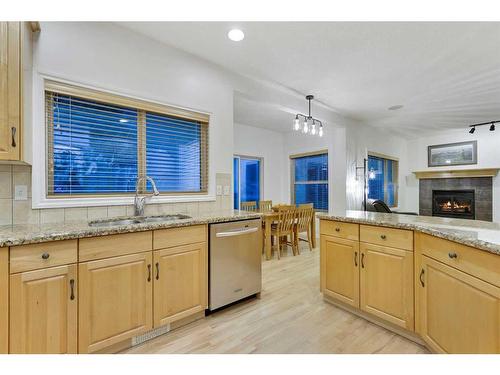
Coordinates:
(290, 317)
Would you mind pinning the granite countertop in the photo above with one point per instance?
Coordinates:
(12, 235)
(483, 235)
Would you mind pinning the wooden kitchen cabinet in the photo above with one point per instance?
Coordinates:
(340, 269)
(459, 313)
(386, 284)
(180, 282)
(4, 300)
(10, 90)
(43, 311)
(115, 300)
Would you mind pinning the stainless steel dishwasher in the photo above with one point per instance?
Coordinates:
(235, 261)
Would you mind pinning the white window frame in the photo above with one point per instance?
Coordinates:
(39, 150)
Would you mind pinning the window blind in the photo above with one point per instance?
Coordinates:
(383, 179)
(92, 146)
(99, 148)
(176, 153)
(310, 180)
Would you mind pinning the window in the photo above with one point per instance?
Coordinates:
(383, 179)
(99, 143)
(247, 179)
(310, 180)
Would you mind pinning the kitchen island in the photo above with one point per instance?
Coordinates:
(434, 280)
(82, 287)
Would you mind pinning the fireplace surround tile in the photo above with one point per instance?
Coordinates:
(482, 186)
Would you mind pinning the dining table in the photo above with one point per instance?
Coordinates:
(272, 216)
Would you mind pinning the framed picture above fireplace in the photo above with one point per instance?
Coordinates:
(461, 153)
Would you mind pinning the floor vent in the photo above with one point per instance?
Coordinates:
(150, 335)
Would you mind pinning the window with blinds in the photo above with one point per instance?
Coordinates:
(383, 175)
(310, 180)
(98, 146)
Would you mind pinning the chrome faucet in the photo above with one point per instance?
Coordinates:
(139, 202)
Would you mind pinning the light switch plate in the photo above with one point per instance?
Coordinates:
(227, 189)
(219, 189)
(20, 193)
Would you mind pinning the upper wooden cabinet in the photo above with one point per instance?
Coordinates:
(386, 284)
(43, 311)
(180, 282)
(115, 300)
(340, 269)
(459, 313)
(10, 90)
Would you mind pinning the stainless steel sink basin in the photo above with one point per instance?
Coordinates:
(155, 219)
(112, 223)
(137, 220)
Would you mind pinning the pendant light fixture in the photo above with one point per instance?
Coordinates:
(309, 125)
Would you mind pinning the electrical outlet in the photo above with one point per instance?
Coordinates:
(20, 192)
(227, 189)
(219, 189)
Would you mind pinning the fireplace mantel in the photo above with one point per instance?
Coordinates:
(456, 173)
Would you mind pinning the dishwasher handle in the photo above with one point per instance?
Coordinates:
(239, 232)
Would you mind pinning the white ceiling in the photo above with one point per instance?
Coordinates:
(447, 75)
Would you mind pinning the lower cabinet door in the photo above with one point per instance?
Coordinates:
(458, 313)
(340, 269)
(43, 311)
(115, 300)
(181, 284)
(386, 284)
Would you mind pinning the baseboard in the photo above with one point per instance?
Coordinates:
(376, 320)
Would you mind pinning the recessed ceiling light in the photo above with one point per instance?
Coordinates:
(236, 35)
(395, 107)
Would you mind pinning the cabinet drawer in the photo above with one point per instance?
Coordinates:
(42, 255)
(164, 238)
(114, 245)
(340, 229)
(475, 262)
(398, 238)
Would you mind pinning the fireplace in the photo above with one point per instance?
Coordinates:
(453, 203)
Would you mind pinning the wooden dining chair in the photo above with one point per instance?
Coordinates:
(249, 206)
(306, 205)
(265, 206)
(303, 218)
(284, 228)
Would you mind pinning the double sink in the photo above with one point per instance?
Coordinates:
(137, 220)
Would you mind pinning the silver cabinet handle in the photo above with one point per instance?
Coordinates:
(45, 256)
(239, 232)
(13, 136)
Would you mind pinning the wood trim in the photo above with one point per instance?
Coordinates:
(4, 300)
(102, 96)
(457, 173)
(382, 156)
(311, 153)
(35, 26)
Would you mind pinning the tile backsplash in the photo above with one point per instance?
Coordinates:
(20, 212)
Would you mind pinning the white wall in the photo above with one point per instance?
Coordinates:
(488, 155)
(109, 57)
(266, 144)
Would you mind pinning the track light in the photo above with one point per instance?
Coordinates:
(490, 123)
